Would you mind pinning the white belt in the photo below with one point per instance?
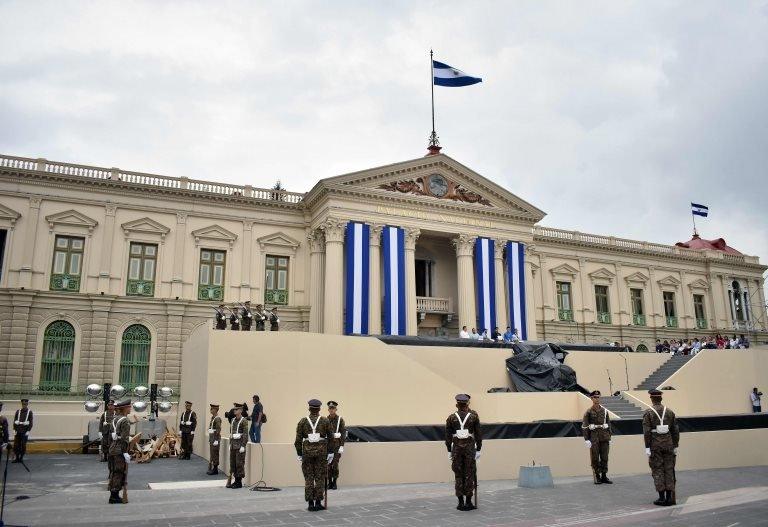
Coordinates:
(468, 435)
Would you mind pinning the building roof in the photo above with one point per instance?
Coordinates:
(714, 245)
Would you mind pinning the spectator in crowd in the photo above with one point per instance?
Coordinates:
(485, 335)
(474, 335)
(508, 335)
(696, 346)
(463, 334)
(720, 341)
(673, 346)
(659, 346)
(755, 398)
(666, 347)
(515, 337)
(258, 414)
(496, 335)
(743, 342)
(734, 343)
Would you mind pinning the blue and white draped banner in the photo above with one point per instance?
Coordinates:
(357, 260)
(485, 284)
(516, 288)
(393, 247)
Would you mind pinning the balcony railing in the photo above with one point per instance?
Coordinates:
(65, 282)
(638, 320)
(210, 292)
(565, 315)
(430, 304)
(140, 288)
(604, 318)
(671, 322)
(701, 323)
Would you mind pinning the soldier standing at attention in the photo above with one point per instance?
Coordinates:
(234, 321)
(274, 320)
(260, 317)
(314, 454)
(221, 318)
(246, 316)
(4, 434)
(662, 437)
(118, 451)
(105, 428)
(337, 439)
(22, 424)
(214, 437)
(238, 438)
(596, 427)
(464, 441)
(187, 426)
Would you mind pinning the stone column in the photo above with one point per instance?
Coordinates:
(94, 362)
(587, 294)
(465, 245)
(17, 344)
(333, 304)
(171, 371)
(245, 271)
(411, 316)
(28, 248)
(530, 294)
(374, 281)
(688, 319)
(655, 300)
(177, 281)
(105, 265)
(501, 296)
(316, 276)
(548, 300)
(730, 311)
(624, 309)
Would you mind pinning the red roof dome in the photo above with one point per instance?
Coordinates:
(714, 245)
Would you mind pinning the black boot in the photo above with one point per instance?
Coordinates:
(469, 506)
(238, 484)
(319, 505)
(461, 506)
(662, 499)
(214, 470)
(596, 478)
(669, 499)
(604, 479)
(114, 496)
(311, 506)
(332, 484)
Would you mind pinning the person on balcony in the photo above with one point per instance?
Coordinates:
(463, 334)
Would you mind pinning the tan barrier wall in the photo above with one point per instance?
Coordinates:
(593, 368)
(63, 420)
(715, 382)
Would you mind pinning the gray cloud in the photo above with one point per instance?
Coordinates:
(610, 116)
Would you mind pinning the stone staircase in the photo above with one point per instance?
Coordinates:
(621, 407)
(664, 372)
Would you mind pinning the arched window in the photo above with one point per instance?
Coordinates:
(642, 348)
(58, 354)
(134, 356)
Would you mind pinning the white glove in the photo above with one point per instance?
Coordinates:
(588, 443)
(330, 458)
(477, 455)
(15, 422)
(242, 450)
(127, 457)
(675, 450)
(450, 456)
(99, 435)
(298, 458)
(341, 450)
(648, 452)
(26, 434)
(592, 427)
(193, 432)
(215, 443)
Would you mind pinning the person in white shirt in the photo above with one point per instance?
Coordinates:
(696, 346)
(463, 334)
(734, 343)
(755, 398)
(475, 335)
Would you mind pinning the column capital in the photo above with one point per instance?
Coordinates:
(34, 202)
(247, 225)
(464, 244)
(498, 249)
(181, 218)
(110, 209)
(333, 229)
(375, 239)
(411, 235)
(316, 241)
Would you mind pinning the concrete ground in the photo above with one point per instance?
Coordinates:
(71, 490)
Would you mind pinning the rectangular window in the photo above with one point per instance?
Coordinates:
(67, 263)
(638, 313)
(276, 280)
(601, 304)
(142, 260)
(669, 309)
(564, 310)
(212, 275)
(699, 312)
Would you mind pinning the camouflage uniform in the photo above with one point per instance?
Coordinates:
(663, 457)
(314, 463)
(214, 436)
(22, 424)
(118, 476)
(187, 432)
(239, 425)
(105, 429)
(463, 451)
(599, 436)
(337, 427)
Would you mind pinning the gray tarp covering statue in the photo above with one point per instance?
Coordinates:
(536, 368)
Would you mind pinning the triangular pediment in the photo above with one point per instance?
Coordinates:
(637, 277)
(214, 232)
(145, 226)
(564, 269)
(432, 179)
(71, 218)
(279, 239)
(699, 283)
(602, 274)
(669, 281)
(8, 215)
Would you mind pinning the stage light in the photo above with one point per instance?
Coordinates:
(117, 391)
(94, 390)
(139, 406)
(92, 406)
(166, 392)
(140, 391)
(165, 406)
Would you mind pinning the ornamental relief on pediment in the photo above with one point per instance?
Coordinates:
(435, 186)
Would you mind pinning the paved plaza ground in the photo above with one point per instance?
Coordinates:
(71, 490)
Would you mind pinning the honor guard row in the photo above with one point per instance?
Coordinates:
(243, 317)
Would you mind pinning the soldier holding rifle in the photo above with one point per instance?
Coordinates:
(221, 317)
(246, 316)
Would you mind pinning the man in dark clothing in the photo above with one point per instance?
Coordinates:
(246, 316)
(22, 424)
(257, 418)
(187, 425)
(464, 441)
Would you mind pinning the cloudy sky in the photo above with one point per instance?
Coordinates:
(610, 116)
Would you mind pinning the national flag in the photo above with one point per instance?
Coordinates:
(699, 210)
(445, 75)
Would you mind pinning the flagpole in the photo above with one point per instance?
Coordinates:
(693, 217)
(433, 147)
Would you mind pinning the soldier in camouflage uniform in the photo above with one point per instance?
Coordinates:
(314, 454)
(337, 439)
(188, 424)
(105, 430)
(662, 437)
(120, 431)
(214, 438)
(596, 427)
(238, 438)
(464, 441)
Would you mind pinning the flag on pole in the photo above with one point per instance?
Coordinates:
(699, 210)
(445, 75)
